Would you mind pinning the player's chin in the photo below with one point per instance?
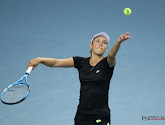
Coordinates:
(100, 53)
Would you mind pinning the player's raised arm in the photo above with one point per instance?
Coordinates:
(112, 54)
(51, 62)
(116, 47)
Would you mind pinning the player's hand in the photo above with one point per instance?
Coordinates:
(34, 62)
(124, 37)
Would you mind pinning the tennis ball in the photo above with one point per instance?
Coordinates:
(127, 11)
(98, 120)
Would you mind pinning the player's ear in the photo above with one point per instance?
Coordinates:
(90, 45)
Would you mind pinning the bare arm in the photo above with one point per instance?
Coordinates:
(114, 50)
(111, 58)
(112, 54)
(51, 62)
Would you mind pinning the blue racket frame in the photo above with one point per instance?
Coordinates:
(16, 83)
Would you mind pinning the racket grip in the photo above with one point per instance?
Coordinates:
(29, 69)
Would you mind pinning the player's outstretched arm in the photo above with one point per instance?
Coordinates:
(51, 62)
(112, 54)
(116, 47)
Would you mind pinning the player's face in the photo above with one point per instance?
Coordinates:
(100, 45)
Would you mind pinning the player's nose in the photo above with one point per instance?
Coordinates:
(100, 44)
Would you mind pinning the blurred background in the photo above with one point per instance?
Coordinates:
(62, 29)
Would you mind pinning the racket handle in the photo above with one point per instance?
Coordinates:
(29, 69)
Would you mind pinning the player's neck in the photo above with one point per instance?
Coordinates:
(95, 59)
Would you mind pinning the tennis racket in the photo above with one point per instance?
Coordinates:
(18, 91)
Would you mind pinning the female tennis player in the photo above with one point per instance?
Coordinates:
(95, 74)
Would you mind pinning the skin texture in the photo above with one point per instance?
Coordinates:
(98, 55)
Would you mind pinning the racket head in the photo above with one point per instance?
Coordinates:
(16, 92)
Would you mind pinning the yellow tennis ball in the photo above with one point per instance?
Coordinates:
(98, 120)
(127, 11)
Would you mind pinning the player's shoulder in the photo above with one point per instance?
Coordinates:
(79, 61)
(109, 62)
(81, 58)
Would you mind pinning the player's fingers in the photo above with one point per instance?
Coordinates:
(129, 37)
(122, 38)
(122, 35)
(125, 38)
(126, 33)
(34, 67)
(30, 64)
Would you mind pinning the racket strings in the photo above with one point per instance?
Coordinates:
(15, 93)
